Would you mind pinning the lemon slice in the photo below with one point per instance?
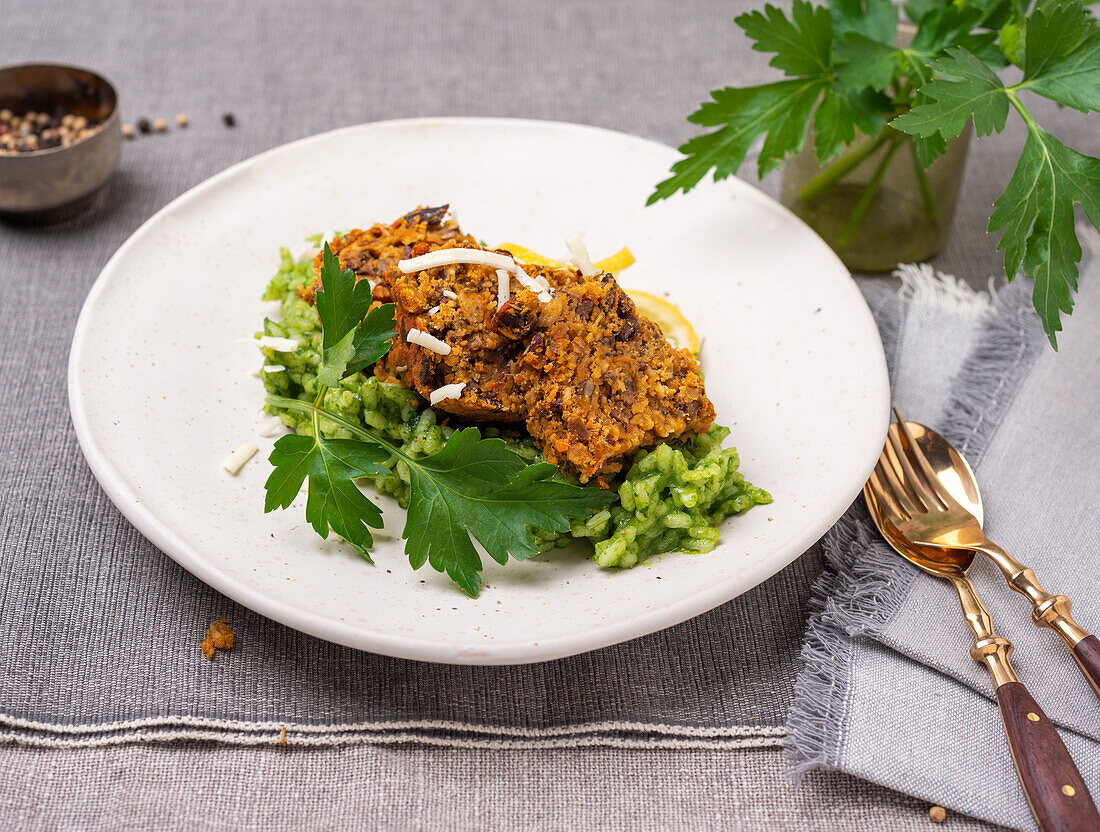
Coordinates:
(525, 255)
(621, 259)
(671, 320)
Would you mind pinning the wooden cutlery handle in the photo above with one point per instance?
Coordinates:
(1057, 795)
(1087, 653)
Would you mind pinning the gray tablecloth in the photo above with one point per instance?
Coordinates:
(287, 70)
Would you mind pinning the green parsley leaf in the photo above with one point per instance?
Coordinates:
(929, 148)
(472, 489)
(964, 88)
(1035, 217)
(801, 44)
(1062, 56)
(783, 108)
(865, 62)
(873, 19)
(334, 502)
(359, 348)
(838, 115)
(480, 489)
(349, 343)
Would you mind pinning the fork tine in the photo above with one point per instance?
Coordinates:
(885, 496)
(890, 461)
(922, 462)
(901, 495)
(913, 481)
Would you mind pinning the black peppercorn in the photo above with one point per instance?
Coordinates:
(144, 126)
(230, 120)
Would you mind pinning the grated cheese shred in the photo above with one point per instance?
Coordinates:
(447, 391)
(271, 427)
(576, 246)
(428, 342)
(236, 460)
(503, 287)
(278, 344)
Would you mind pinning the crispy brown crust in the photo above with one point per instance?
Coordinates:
(590, 379)
(370, 252)
(602, 381)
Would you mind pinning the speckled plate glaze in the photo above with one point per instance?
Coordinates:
(161, 383)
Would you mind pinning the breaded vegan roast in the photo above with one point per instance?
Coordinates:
(563, 354)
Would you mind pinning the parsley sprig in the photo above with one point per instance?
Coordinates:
(473, 489)
(845, 75)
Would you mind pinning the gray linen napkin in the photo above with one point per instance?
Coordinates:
(889, 692)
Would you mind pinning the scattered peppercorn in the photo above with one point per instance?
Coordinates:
(160, 125)
(182, 120)
(937, 814)
(128, 131)
(230, 120)
(40, 131)
(144, 126)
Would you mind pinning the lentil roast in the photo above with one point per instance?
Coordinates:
(590, 379)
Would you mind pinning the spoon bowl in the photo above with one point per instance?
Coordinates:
(951, 469)
(958, 478)
(943, 563)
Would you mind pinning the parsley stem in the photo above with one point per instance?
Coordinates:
(820, 183)
(318, 412)
(922, 181)
(868, 195)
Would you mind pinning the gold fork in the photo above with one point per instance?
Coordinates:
(917, 504)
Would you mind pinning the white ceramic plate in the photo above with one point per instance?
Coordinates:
(162, 388)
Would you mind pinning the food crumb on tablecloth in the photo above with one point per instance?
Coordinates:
(937, 814)
(218, 637)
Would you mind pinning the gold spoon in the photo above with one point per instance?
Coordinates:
(1055, 791)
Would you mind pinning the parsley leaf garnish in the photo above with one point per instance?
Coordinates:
(472, 489)
(334, 502)
(480, 489)
(801, 44)
(352, 339)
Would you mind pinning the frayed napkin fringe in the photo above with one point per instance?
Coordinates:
(993, 374)
(922, 284)
(872, 590)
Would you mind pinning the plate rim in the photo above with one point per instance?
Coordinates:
(646, 622)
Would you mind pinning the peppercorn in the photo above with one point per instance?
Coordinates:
(128, 131)
(937, 814)
(230, 120)
(182, 120)
(144, 126)
(160, 125)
